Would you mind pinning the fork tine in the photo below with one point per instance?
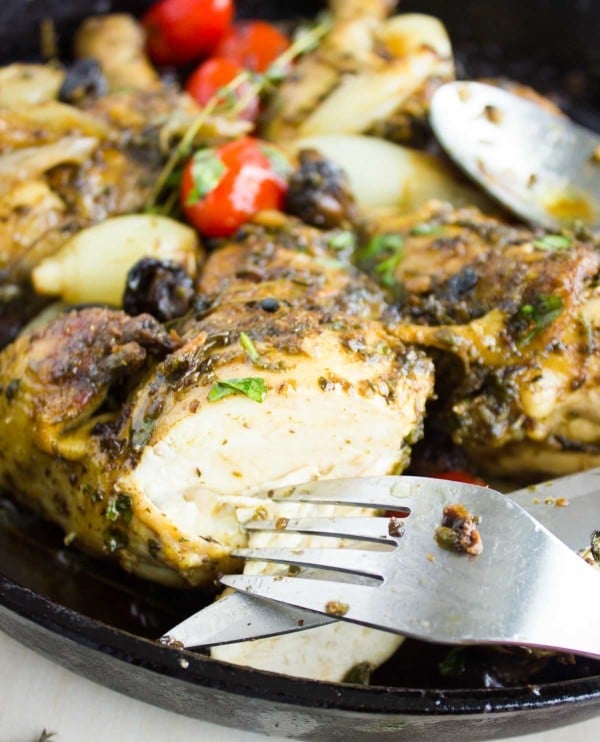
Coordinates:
(346, 601)
(362, 528)
(388, 493)
(352, 561)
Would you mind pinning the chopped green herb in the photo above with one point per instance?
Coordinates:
(426, 228)
(278, 161)
(387, 268)
(381, 244)
(249, 347)
(382, 256)
(454, 663)
(345, 240)
(119, 507)
(531, 319)
(252, 386)
(553, 242)
(141, 432)
(114, 539)
(207, 171)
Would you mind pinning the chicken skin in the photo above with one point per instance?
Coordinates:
(512, 317)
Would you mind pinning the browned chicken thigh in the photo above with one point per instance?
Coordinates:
(512, 317)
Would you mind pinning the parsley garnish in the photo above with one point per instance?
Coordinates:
(207, 171)
(382, 255)
(119, 507)
(252, 386)
(532, 318)
(249, 347)
(553, 242)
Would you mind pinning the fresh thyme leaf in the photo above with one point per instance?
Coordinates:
(553, 242)
(426, 228)
(249, 347)
(252, 386)
(454, 662)
(532, 318)
(45, 736)
(207, 171)
(344, 240)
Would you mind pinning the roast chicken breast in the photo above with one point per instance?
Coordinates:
(513, 319)
(143, 444)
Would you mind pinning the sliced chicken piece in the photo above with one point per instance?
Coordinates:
(514, 317)
(149, 460)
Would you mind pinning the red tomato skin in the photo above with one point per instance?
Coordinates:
(248, 186)
(457, 475)
(213, 74)
(181, 31)
(253, 44)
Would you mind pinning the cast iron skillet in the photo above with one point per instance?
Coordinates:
(99, 622)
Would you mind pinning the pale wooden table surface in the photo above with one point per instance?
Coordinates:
(36, 694)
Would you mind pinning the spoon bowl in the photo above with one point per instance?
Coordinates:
(541, 166)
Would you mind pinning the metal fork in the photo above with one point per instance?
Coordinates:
(525, 588)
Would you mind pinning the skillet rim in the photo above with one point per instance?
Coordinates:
(204, 671)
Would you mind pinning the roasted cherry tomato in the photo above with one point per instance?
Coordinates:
(254, 45)
(224, 187)
(213, 74)
(181, 31)
(457, 475)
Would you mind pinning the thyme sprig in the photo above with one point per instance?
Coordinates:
(225, 101)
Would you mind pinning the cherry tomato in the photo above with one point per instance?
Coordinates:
(457, 475)
(180, 31)
(253, 45)
(224, 187)
(213, 74)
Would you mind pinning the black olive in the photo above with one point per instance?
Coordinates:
(269, 305)
(83, 79)
(158, 287)
(319, 193)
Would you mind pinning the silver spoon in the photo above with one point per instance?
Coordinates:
(541, 166)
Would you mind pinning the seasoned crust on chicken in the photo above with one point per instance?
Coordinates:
(129, 453)
(514, 319)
